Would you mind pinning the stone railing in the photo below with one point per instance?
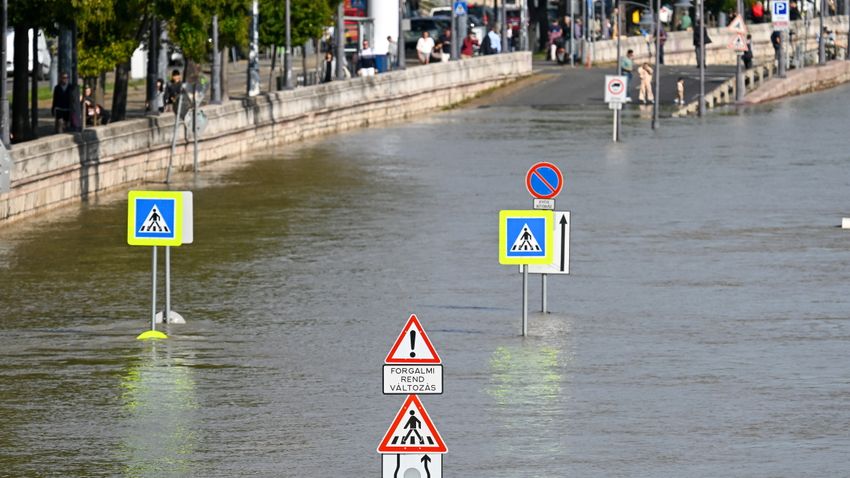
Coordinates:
(60, 169)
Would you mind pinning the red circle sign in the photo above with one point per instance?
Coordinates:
(544, 181)
(615, 86)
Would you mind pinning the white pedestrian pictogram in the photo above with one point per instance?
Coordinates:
(525, 241)
(154, 222)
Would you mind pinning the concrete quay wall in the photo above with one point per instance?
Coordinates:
(679, 48)
(804, 80)
(63, 168)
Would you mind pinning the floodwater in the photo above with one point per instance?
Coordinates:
(704, 330)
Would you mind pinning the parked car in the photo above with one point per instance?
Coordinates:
(44, 58)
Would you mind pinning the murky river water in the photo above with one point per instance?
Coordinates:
(705, 330)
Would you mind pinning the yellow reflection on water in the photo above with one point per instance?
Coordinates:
(521, 374)
(160, 416)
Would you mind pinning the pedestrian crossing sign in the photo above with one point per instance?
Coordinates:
(159, 218)
(412, 431)
(525, 237)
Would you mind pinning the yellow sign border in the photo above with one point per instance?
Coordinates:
(177, 240)
(548, 216)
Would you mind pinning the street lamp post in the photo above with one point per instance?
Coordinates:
(400, 40)
(701, 19)
(657, 64)
(821, 36)
(4, 100)
(572, 33)
(340, 41)
(617, 124)
(287, 52)
(739, 62)
(504, 25)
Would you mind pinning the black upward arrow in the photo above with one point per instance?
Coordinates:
(426, 459)
(563, 239)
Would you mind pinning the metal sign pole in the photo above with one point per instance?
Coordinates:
(543, 294)
(167, 285)
(195, 129)
(174, 136)
(524, 300)
(153, 291)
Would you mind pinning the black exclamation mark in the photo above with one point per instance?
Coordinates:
(412, 343)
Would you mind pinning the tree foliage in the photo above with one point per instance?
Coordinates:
(307, 19)
(190, 22)
(108, 31)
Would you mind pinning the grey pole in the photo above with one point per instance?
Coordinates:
(195, 167)
(216, 66)
(254, 53)
(821, 36)
(603, 19)
(4, 99)
(619, 73)
(455, 29)
(400, 40)
(340, 41)
(739, 63)
(701, 109)
(287, 53)
(657, 64)
(781, 60)
(543, 293)
(524, 44)
(846, 12)
(504, 23)
(153, 291)
(525, 300)
(153, 65)
(167, 284)
(572, 33)
(174, 137)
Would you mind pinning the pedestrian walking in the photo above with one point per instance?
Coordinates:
(680, 92)
(63, 96)
(706, 42)
(627, 65)
(645, 74)
(467, 50)
(747, 57)
(392, 53)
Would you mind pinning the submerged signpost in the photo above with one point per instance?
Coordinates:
(412, 446)
(159, 218)
(537, 240)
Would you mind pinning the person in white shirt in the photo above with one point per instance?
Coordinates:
(424, 47)
(495, 40)
(366, 60)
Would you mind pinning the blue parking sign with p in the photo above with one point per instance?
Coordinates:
(780, 8)
(525, 237)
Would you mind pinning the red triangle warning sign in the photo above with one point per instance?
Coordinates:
(737, 26)
(413, 345)
(412, 431)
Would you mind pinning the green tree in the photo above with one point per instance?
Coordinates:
(307, 18)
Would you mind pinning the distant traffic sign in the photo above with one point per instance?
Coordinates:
(544, 181)
(737, 25)
(738, 43)
(159, 218)
(412, 431)
(525, 237)
(412, 365)
(460, 8)
(780, 14)
(616, 90)
(413, 345)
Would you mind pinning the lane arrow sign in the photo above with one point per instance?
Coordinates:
(563, 240)
(426, 459)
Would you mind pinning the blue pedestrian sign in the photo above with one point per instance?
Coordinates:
(460, 8)
(159, 218)
(525, 237)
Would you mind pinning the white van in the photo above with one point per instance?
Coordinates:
(43, 53)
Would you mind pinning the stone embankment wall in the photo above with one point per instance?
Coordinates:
(63, 168)
(679, 49)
